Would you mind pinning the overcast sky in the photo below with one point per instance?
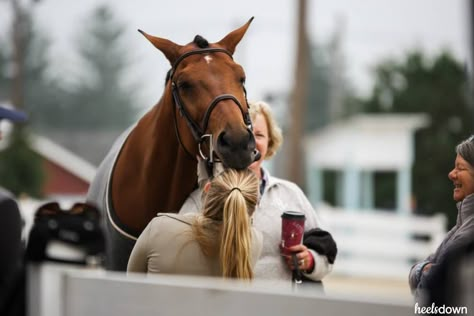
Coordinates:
(373, 29)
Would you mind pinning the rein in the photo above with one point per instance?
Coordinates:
(196, 130)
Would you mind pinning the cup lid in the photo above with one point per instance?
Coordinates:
(293, 215)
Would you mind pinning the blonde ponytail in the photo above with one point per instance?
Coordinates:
(236, 238)
(224, 229)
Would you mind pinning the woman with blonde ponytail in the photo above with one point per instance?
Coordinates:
(316, 255)
(218, 241)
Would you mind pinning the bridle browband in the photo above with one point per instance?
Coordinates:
(196, 130)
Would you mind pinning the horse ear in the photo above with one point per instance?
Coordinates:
(231, 40)
(167, 47)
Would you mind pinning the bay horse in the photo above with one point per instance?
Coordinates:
(152, 166)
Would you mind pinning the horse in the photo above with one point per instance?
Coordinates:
(152, 166)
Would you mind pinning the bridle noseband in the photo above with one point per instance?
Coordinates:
(197, 131)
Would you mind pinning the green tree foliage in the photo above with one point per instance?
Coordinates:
(45, 97)
(102, 99)
(98, 99)
(438, 87)
(21, 169)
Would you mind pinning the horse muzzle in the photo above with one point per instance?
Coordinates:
(237, 151)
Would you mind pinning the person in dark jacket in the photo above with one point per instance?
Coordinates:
(11, 246)
(427, 277)
(451, 281)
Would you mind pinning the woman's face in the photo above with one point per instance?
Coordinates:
(463, 179)
(260, 131)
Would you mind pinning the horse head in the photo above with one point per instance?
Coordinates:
(207, 88)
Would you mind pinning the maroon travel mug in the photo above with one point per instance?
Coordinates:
(292, 230)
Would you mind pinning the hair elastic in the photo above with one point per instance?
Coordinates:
(235, 188)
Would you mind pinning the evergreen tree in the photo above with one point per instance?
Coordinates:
(102, 100)
(45, 97)
(437, 87)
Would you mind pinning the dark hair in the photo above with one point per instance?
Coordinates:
(466, 150)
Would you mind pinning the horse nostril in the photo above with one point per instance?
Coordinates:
(222, 140)
(257, 155)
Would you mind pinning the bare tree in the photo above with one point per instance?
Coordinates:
(20, 31)
(18, 42)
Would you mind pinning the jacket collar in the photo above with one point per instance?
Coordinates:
(465, 209)
(269, 180)
(264, 180)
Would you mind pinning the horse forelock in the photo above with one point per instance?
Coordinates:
(200, 41)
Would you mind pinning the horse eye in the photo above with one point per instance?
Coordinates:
(242, 81)
(184, 85)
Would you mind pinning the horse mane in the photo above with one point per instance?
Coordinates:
(201, 42)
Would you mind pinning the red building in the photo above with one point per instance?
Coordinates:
(67, 174)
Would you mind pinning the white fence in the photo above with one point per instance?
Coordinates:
(381, 244)
(64, 291)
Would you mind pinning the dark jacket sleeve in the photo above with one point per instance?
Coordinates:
(443, 283)
(11, 247)
(322, 242)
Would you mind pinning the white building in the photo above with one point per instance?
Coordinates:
(372, 243)
(356, 148)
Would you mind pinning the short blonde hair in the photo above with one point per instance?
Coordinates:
(275, 138)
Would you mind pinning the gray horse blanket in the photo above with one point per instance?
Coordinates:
(119, 239)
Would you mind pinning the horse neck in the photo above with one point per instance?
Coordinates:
(153, 174)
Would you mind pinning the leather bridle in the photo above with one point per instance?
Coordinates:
(198, 130)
